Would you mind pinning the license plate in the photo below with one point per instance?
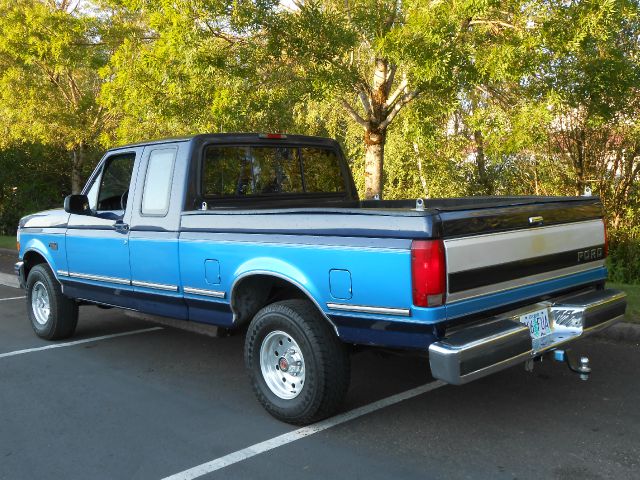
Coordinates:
(538, 323)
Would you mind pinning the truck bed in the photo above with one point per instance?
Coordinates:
(439, 218)
(499, 251)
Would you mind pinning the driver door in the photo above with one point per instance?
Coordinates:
(97, 245)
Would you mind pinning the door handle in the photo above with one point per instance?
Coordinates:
(121, 227)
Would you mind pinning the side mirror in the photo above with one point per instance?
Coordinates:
(77, 204)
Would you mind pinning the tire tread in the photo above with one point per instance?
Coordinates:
(64, 310)
(333, 357)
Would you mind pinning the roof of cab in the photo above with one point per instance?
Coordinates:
(230, 137)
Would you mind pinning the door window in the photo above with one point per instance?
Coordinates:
(114, 183)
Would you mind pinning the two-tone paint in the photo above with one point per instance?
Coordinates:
(351, 258)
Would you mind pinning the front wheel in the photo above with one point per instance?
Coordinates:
(298, 367)
(53, 316)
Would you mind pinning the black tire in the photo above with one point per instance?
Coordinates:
(63, 312)
(326, 361)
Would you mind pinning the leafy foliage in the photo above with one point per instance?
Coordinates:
(427, 97)
(33, 177)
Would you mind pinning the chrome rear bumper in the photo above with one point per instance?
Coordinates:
(503, 341)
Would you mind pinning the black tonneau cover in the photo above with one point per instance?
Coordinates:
(439, 218)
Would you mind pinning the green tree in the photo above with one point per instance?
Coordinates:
(30, 180)
(588, 74)
(191, 66)
(50, 54)
(376, 57)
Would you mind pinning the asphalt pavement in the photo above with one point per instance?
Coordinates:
(8, 258)
(134, 400)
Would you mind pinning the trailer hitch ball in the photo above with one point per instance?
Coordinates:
(580, 366)
(584, 368)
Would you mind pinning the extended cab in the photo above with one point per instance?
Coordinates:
(266, 232)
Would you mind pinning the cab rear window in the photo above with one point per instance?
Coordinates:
(237, 171)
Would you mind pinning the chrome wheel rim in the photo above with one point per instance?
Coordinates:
(282, 364)
(40, 303)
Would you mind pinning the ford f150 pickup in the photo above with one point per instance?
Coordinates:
(266, 233)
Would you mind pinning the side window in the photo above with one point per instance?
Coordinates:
(114, 182)
(157, 183)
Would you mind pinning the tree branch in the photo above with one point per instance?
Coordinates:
(97, 117)
(53, 78)
(390, 78)
(366, 102)
(76, 94)
(394, 97)
(231, 39)
(388, 23)
(495, 23)
(406, 98)
(358, 119)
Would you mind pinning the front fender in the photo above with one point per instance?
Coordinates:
(36, 245)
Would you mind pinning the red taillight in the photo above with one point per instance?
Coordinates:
(606, 240)
(428, 273)
(272, 136)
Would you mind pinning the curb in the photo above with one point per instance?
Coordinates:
(10, 251)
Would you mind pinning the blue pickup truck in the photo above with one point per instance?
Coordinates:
(265, 233)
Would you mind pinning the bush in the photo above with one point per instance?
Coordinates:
(624, 255)
(34, 177)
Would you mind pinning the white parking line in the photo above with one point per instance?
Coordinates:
(11, 298)
(300, 433)
(77, 342)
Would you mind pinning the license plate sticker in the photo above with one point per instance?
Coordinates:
(538, 323)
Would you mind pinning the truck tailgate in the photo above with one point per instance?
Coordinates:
(496, 244)
(488, 263)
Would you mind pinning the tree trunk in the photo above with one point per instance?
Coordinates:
(423, 181)
(380, 108)
(373, 164)
(374, 137)
(481, 164)
(77, 161)
(580, 162)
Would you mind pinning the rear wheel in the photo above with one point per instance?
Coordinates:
(298, 367)
(53, 316)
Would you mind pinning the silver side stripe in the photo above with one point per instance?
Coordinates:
(63, 273)
(100, 278)
(157, 286)
(137, 283)
(206, 293)
(404, 312)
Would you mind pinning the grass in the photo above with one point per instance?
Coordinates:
(633, 300)
(8, 242)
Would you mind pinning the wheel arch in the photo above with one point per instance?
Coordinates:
(33, 257)
(257, 288)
